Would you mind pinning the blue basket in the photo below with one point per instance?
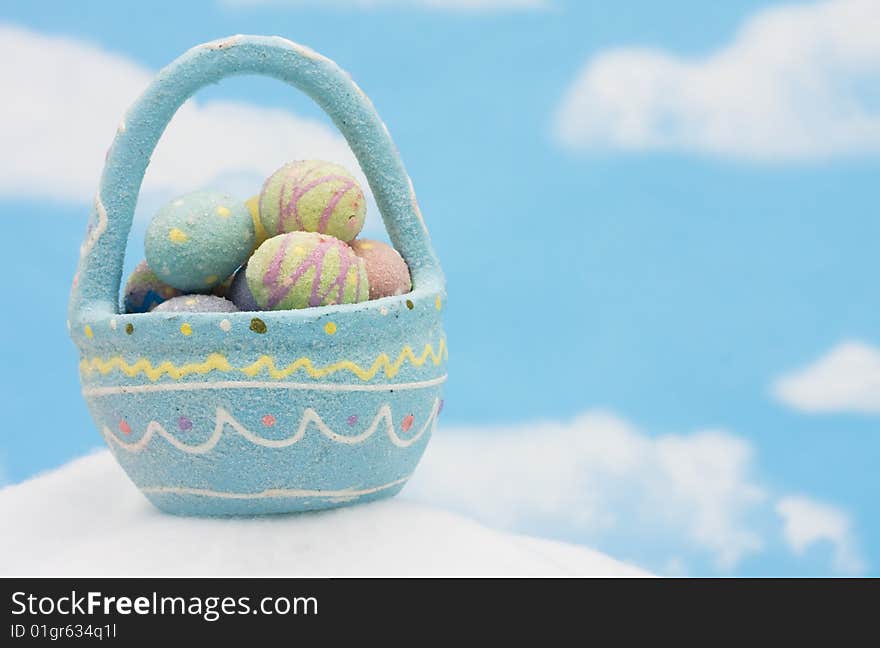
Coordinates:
(269, 412)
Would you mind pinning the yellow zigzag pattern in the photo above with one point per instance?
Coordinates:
(217, 362)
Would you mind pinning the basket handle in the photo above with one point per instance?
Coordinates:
(96, 288)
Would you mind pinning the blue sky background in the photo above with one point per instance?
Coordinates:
(671, 287)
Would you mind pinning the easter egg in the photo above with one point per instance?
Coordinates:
(196, 304)
(253, 206)
(301, 269)
(387, 272)
(198, 240)
(144, 290)
(240, 294)
(222, 289)
(312, 196)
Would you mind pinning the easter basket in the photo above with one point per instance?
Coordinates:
(260, 412)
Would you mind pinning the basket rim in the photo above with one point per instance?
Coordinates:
(309, 314)
(416, 312)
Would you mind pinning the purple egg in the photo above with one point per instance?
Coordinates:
(240, 294)
(196, 304)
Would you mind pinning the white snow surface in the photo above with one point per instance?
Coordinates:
(87, 519)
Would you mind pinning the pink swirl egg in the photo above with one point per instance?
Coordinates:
(387, 272)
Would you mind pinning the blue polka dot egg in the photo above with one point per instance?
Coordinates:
(198, 240)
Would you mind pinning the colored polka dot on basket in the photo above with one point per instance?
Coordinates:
(124, 427)
(88, 331)
(352, 420)
(268, 420)
(407, 422)
(225, 325)
(329, 328)
(186, 329)
(184, 423)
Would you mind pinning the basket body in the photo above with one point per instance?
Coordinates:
(241, 418)
(270, 412)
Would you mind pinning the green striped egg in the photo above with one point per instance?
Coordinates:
(302, 269)
(312, 196)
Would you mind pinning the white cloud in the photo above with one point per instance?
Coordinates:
(846, 379)
(450, 5)
(598, 476)
(796, 82)
(62, 108)
(808, 522)
(668, 500)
